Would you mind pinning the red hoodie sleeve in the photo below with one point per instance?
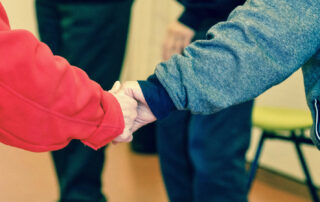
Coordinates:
(45, 102)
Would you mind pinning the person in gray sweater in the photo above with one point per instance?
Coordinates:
(195, 138)
(261, 44)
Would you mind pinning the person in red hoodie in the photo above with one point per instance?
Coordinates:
(45, 102)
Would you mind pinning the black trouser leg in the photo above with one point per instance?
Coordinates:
(91, 36)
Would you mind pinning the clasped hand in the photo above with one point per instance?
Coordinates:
(136, 112)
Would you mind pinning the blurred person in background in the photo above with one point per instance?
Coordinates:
(46, 102)
(195, 165)
(92, 35)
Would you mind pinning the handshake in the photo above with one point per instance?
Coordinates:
(135, 110)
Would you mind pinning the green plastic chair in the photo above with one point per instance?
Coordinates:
(273, 121)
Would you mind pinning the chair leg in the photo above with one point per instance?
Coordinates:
(254, 164)
(312, 187)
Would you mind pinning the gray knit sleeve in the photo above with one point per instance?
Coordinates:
(261, 44)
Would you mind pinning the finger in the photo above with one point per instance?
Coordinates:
(178, 46)
(135, 127)
(116, 87)
(124, 140)
(133, 90)
(169, 45)
(186, 42)
(124, 137)
(129, 139)
(165, 51)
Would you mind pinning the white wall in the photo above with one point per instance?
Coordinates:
(21, 14)
(149, 21)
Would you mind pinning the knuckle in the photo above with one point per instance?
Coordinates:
(133, 116)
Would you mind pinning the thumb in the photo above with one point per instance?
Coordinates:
(136, 126)
(116, 87)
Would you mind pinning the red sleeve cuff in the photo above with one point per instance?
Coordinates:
(111, 125)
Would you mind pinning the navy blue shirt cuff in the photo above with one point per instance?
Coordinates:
(157, 97)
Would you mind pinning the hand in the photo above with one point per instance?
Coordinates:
(177, 38)
(129, 110)
(145, 115)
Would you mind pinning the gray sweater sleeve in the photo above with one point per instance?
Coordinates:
(261, 44)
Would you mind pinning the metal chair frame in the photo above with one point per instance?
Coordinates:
(295, 138)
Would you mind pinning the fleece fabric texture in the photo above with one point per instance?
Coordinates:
(46, 102)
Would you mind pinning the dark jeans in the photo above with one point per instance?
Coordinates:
(91, 36)
(203, 156)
